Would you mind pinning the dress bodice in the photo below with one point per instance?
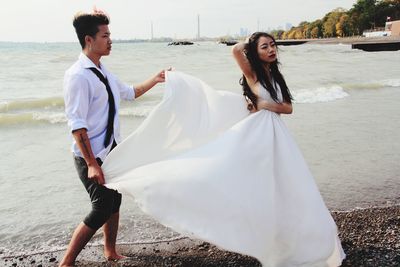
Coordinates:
(265, 95)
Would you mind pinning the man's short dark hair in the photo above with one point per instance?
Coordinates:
(88, 24)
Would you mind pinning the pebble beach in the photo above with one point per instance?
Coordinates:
(370, 238)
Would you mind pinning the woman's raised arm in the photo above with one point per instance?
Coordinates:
(238, 51)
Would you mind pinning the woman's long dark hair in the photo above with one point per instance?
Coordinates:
(258, 67)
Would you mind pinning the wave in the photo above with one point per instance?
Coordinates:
(32, 117)
(58, 117)
(335, 92)
(142, 112)
(392, 82)
(374, 84)
(322, 94)
(41, 103)
(51, 109)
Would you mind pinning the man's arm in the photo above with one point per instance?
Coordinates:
(145, 86)
(94, 170)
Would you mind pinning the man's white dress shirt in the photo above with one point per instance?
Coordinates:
(86, 103)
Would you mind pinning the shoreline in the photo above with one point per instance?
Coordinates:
(369, 236)
(345, 40)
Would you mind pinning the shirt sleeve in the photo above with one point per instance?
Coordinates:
(76, 98)
(127, 92)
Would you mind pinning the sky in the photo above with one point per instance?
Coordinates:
(51, 20)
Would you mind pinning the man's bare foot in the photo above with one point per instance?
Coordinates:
(115, 257)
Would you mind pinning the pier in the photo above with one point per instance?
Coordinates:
(377, 46)
(291, 42)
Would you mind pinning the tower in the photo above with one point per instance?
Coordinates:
(152, 36)
(198, 26)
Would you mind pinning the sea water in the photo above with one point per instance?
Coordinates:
(346, 121)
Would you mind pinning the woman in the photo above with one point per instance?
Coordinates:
(258, 61)
(202, 165)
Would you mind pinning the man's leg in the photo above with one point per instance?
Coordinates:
(80, 238)
(110, 230)
(102, 200)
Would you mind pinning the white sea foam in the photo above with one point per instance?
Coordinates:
(143, 111)
(322, 94)
(49, 117)
(392, 82)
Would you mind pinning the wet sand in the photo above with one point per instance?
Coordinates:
(370, 238)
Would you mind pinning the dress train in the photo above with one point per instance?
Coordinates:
(201, 165)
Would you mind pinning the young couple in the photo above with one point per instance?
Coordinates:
(218, 168)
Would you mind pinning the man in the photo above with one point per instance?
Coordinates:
(92, 97)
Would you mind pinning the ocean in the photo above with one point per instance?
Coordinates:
(346, 121)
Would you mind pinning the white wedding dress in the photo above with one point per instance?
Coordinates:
(203, 166)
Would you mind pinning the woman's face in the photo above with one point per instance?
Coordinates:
(266, 49)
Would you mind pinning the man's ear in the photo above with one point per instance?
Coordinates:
(88, 40)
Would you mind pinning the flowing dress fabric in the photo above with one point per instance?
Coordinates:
(201, 165)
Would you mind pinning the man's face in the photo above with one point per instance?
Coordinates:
(101, 44)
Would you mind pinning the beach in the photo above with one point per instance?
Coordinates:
(370, 238)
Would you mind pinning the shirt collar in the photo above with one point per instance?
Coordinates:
(86, 63)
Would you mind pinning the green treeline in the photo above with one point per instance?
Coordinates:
(365, 14)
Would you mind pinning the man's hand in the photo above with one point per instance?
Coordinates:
(160, 77)
(142, 88)
(96, 173)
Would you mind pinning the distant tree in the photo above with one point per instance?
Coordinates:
(291, 34)
(316, 29)
(363, 14)
(285, 35)
(329, 23)
(314, 32)
(298, 34)
(385, 9)
(343, 26)
(277, 34)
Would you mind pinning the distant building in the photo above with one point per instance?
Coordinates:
(392, 28)
(244, 32)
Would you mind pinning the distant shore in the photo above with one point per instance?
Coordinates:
(370, 237)
(350, 40)
(336, 40)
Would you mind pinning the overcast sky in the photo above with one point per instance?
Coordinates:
(51, 20)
